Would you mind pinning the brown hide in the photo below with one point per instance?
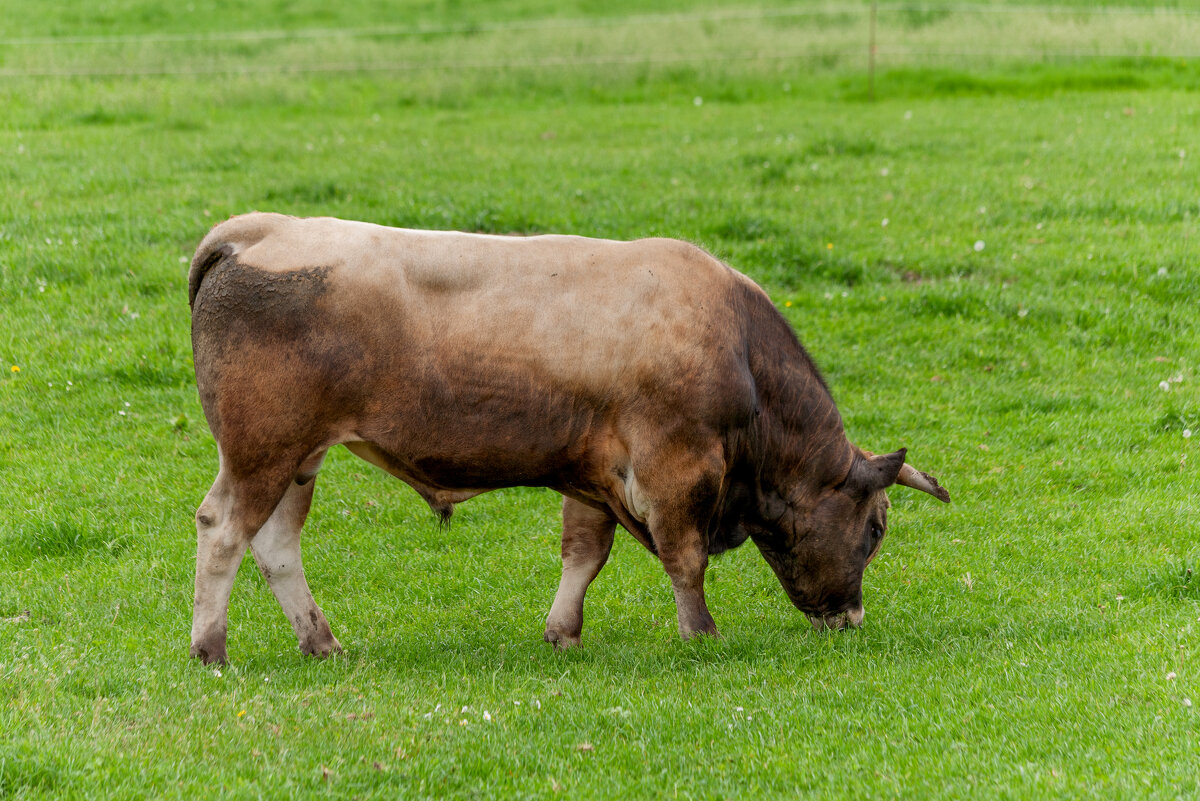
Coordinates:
(469, 362)
(645, 380)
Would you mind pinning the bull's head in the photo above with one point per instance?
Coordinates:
(820, 541)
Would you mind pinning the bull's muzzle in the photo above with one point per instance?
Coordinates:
(851, 618)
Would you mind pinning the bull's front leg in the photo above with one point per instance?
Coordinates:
(276, 549)
(587, 538)
(682, 494)
(685, 558)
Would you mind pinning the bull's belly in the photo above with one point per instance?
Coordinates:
(444, 451)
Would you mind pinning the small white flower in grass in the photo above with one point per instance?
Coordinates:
(1187, 433)
(697, 101)
(1171, 676)
(1162, 272)
(885, 222)
(487, 716)
(884, 172)
(217, 672)
(1165, 386)
(908, 115)
(979, 245)
(1187, 702)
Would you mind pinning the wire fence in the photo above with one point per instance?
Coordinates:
(823, 37)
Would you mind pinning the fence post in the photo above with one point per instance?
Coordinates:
(871, 55)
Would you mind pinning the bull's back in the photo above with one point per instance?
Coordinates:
(586, 313)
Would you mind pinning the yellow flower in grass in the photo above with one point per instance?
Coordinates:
(16, 369)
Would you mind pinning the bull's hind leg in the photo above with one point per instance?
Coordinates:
(231, 514)
(276, 549)
(587, 538)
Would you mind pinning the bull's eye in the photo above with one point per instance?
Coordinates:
(876, 536)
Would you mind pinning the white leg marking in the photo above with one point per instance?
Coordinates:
(276, 549)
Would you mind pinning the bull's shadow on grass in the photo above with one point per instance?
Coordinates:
(651, 651)
(789, 652)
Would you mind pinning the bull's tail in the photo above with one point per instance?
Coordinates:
(224, 241)
(205, 259)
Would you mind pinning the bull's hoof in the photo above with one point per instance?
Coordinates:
(561, 640)
(700, 634)
(321, 648)
(209, 653)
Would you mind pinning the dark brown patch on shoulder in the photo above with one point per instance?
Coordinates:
(270, 303)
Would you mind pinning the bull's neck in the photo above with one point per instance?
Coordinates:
(800, 430)
(802, 433)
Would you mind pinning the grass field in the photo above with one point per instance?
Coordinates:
(995, 264)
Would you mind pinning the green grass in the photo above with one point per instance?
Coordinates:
(1036, 638)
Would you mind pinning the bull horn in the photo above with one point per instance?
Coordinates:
(912, 477)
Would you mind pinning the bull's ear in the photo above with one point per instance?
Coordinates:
(912, 477)
(871, 473)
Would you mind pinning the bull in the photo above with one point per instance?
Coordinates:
(647, 382)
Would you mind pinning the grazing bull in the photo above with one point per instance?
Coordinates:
(647, 382)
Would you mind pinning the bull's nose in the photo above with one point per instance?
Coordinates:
(852, 618)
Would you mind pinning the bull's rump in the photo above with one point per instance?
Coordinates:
(471, 360)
